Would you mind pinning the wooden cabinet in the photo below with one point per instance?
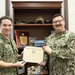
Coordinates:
(25, 17)
(26, 13)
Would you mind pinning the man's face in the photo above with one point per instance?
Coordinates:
(58, 24)
(6, 27)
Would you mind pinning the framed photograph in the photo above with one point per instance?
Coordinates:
(22, 38)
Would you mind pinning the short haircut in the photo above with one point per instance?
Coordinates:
(5, 17)
(56, 15)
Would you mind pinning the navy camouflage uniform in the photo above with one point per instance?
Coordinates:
(8, 53)
(62, 59)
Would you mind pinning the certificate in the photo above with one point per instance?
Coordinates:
(33, 54)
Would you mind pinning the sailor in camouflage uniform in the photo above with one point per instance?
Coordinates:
(60, 47)
(8, 49)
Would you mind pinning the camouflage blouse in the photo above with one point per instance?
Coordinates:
(8, 53)
(62, 59)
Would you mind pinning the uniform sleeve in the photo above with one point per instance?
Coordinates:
(45, 57)
(1, 49)
(68, 51)
(45, 54)
(15, 46)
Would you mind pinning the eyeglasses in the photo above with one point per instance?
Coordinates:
(57, 21)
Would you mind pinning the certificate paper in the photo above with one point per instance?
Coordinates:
(33, 54)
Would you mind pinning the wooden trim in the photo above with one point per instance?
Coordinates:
(66, 13)
(33, 5)
(7, 7)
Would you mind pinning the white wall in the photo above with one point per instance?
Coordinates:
(71, 15)
(2, 8)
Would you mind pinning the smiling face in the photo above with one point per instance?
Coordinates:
(6, 26)
(58, 24)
